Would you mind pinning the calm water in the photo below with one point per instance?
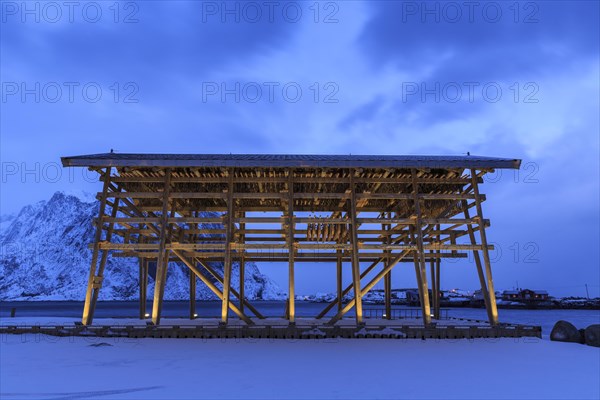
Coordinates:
(179, 309)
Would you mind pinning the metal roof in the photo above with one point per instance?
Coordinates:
(287, 160)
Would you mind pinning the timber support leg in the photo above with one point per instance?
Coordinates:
(163, 254)
(423, 273)
(228, 251)
(94, 280)
(192, 295)
(493, 310)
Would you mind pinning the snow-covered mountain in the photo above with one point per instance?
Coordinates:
(44, 255)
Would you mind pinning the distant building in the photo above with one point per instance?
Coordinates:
(525, 295)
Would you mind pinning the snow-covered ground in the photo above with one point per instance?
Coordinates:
(44, 367)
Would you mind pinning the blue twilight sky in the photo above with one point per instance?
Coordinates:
(503, 78)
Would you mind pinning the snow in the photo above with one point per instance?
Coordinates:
(44, 255)
(82, 195)
(5, 221)
(38, 366)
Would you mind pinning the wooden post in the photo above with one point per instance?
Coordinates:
(416, 264)
(387, 279)
(478, 264)
(486, 256)
(100, 274)
(242, 271)
(432, 260)
(228, 256)
(88, 313)
(355, 255)
(425, 292)
(434, 299)
(340, 295)
(192, 295)
(438, 261)
(143, 280)
(163, 254)
(291, 250)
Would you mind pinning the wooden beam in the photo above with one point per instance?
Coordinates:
(211, 285)
(192, 295)
(347, 289)
(486, 256)
(299, 179)
(387, 281)
(422, 269)
(88, 314)
(339, 272)
(232, 290)
(163, 253)
(368, 287)
(242, 274)
(438, 263)
(143, 281)
(228, 250)
(210, 270)
(355, 255)
(291, 250)
(103, 259)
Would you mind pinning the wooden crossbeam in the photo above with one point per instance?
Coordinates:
(211, 286)
(367, 288)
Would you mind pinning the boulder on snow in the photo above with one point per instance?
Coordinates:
(564, 331)
(592, 335)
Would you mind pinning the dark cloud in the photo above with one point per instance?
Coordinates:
(478, 45)
(168, 40)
